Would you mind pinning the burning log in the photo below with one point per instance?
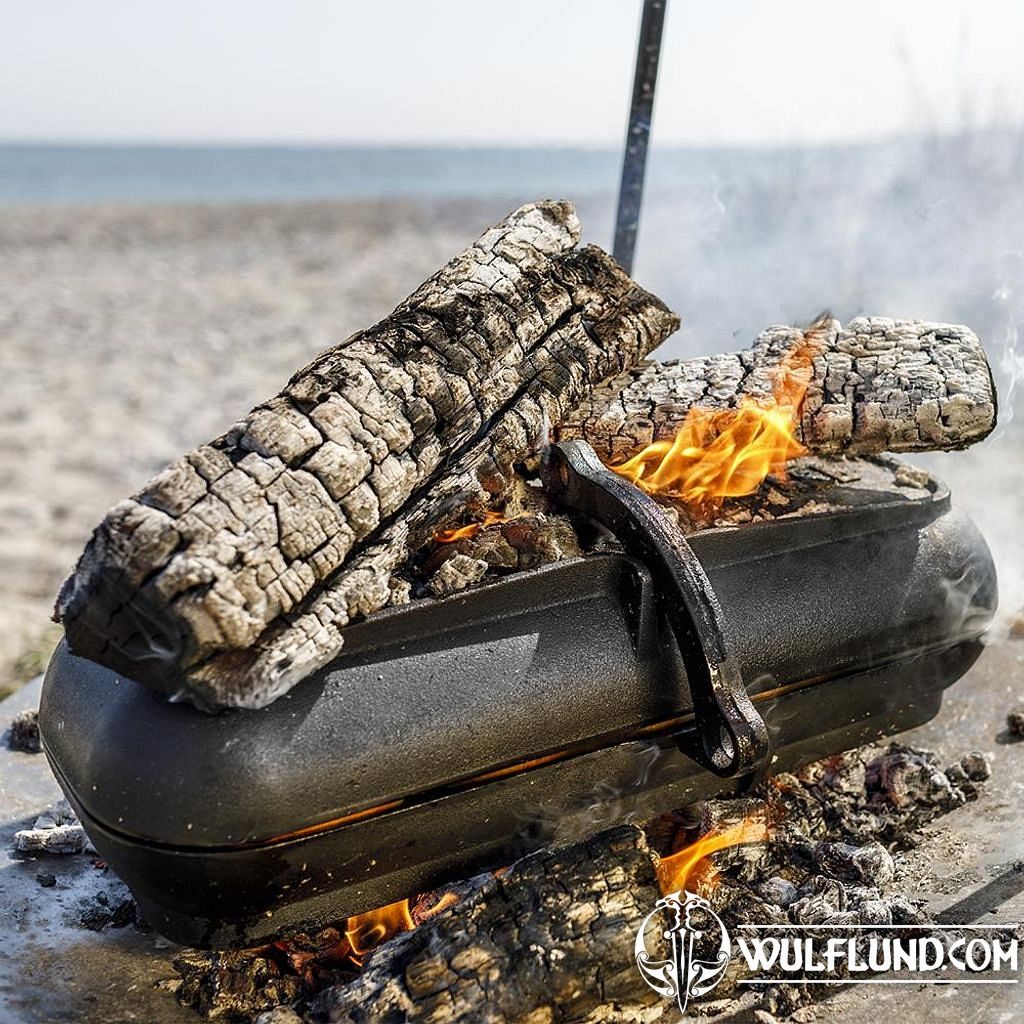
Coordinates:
(554, 933)
(230, 576)
(581, 903)
(876, 385)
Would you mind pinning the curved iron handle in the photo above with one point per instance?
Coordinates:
(732, 738)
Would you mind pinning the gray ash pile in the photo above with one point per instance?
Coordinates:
(835, 831)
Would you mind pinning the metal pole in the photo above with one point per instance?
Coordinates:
(639, 131)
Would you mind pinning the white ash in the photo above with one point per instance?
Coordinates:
(56, 830)
(457, 573)
(836, 829)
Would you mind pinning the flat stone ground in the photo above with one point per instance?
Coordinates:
(969, 868)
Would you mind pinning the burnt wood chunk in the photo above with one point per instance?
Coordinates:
(876, 385)
(230, 575)
(550, 940)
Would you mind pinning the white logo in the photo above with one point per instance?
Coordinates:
(693, 932)
(697, 950)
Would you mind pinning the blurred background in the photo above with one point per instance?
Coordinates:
(195, 199)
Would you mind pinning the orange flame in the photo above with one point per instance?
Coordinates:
(726, 453)
(365, 931)
(471, 529)
(446, 900)
(688, 868)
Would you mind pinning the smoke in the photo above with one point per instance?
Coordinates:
(928, 227)
(605, 805)
(966, 611)
(1008, 359)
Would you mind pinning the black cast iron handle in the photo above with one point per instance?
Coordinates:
(732, 738)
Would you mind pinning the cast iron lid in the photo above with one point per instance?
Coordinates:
(566, 657)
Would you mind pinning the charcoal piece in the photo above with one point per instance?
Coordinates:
(822, 899)
(779, 891)
(844, 917)
(455, 574)
(906, 777)
(278, 1015)
(740, 905)
(59, 839)
(487, 545)
(525, 540)
(102, 911)
(538, 540)
(23, 734)
(234, 985)
(56, 830)
(845, 773)
(400, 591)
(905, 911)
(876, 911)
(1015, 722)
(784, 1000)
(976, 765)
(870, 863)
(46, 879)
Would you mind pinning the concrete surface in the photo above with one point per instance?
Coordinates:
(51, 968)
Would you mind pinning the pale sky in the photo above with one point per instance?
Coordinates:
(500, 71)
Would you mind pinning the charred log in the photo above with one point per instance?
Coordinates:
(230, 576)
(875, 385)
(555, 932)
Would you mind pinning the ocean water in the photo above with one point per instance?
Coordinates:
(223, 174)
(42, 174)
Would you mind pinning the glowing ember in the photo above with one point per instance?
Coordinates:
(689, 868)
(726, 453)
(471, 529)
(365, 931)
(446, 900)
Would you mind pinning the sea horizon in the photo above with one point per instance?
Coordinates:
(160, 172)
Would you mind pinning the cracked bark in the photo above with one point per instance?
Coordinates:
(551, 939)
(877, 385)
(230, 576)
